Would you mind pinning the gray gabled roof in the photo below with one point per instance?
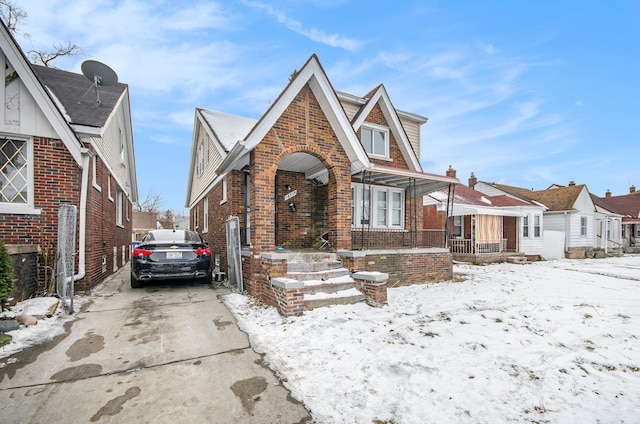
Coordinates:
(76, 96)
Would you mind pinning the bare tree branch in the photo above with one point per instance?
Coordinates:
(151, 203)
(12, 15)
(43, 57)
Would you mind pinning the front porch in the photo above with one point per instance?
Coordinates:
(294, 281)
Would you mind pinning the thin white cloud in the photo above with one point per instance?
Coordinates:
(333, 40)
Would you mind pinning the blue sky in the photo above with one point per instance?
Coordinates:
(519, 92)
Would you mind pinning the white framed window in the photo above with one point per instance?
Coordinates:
(458, 226)
(224, 190)
(119, 205)
(205, 216)
(109, 188)
(16, 176)
(536, 226)
(583, 226)
(94, 166)
(360, 207)
(397, 209)
(525, 226)
(378, 206)
(375, 140)
(195, 218)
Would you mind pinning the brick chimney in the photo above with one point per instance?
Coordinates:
(608, 193)
(572, 183)
(632, 189)
(451, 172)
(473, 180)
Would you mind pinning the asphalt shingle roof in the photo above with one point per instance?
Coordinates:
(556, 199)
(69, 88)
(628, 204)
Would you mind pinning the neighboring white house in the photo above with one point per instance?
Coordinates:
(569, 210)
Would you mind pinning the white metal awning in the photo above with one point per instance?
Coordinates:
(462, 210)
(403, 178)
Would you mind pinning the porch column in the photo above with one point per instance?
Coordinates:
(339, 209)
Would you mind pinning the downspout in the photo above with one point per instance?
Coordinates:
(86, 156)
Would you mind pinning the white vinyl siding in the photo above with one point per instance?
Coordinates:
(412, 129)
(200, 181)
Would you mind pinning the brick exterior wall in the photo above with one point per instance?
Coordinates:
(302, 228)
(432, 219)
(510, 232)
(103, 235)
(57, 180)
(404, 267)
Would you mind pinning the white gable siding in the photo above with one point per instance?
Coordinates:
(201, 182)
(412, 129)
(350, 108)
(108, 148)
(21, 114)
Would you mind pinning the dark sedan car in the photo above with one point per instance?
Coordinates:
(170, 254)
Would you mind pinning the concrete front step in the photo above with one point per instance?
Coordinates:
(318, 275)
(342, 297)
(313, 266)
(517, 260)
(313, 257)
(332, 285)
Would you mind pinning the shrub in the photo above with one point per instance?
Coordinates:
(6, 275)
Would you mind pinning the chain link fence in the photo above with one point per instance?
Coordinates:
(67, 217)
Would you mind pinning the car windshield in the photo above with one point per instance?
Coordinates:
(178, 236)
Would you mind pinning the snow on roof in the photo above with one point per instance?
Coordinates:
(229, 129)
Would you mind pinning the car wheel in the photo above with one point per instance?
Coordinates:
(135, 283)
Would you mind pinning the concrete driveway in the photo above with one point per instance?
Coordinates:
(167, 353)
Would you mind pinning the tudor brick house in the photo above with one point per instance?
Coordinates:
(318, 161)
(58, 147)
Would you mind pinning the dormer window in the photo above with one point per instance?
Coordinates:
(375, 140)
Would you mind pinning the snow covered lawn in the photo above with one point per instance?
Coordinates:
(555, 341)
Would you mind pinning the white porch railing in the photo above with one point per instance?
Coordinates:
(468, 246)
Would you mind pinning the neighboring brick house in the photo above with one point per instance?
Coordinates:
(143, 222)
(571, 211)
(59, 146)
(310, 165)
(627, 206)
(483, 228)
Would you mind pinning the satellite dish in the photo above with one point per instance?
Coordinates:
(100, 75)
